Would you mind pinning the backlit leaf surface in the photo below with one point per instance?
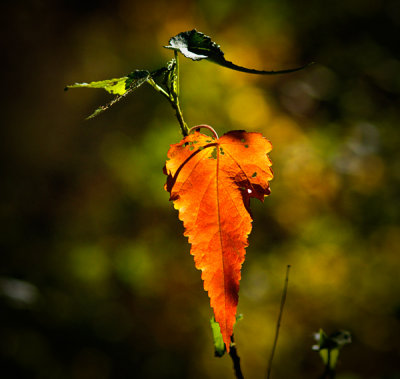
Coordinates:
(120, 87)
(197, 46)
(211, 182)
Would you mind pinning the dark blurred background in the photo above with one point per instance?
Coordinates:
(96, 280)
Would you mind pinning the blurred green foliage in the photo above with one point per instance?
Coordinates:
(329, 348)
(96, 277)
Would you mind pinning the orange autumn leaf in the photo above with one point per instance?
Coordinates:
(211, 181)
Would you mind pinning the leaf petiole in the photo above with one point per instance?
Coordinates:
(210, 128)
(158, 88)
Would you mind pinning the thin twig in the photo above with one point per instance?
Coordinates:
(278, 325)
(236, 360)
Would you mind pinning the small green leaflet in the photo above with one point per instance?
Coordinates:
(219, 346)
(113, 86)
(120, 87)
(197, 46)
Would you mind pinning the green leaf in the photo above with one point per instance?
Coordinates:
(120, 87)
(329, 357)
(136, 79)
(197, 46)
(219, 346)
(113, 86)
(334, 355)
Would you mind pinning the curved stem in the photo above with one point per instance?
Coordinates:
(206, 127)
